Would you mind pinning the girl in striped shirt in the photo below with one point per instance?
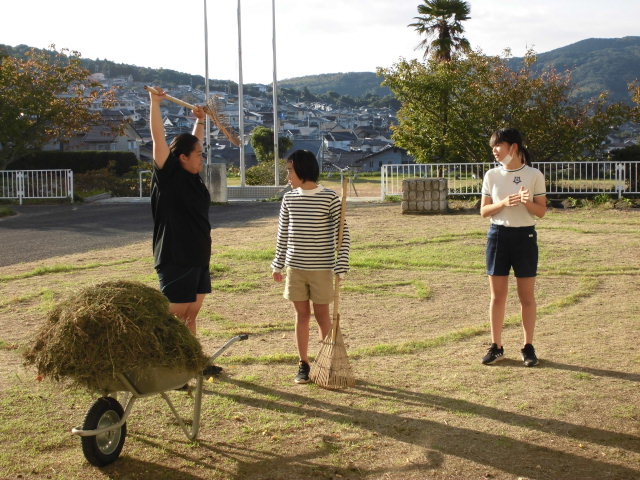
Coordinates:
(305, 249)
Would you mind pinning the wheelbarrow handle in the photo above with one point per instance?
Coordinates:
(231, 341)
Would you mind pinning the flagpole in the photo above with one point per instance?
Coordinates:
(240, 99)
(276, 156)
(207, 125)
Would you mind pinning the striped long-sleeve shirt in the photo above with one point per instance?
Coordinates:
(308, 232)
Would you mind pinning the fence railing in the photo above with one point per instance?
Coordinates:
(569, 178)
(30, 184)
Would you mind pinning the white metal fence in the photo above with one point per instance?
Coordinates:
(567, 178)
(45, 184)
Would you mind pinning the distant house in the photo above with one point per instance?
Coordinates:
(342, 139)
(389, 155)
(335, 159)
(371, 145)
(113, 134)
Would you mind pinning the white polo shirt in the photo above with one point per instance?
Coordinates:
(498, 183)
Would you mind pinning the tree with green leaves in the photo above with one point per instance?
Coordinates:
(45, 96)
(484, 94)
(440, 21)
(262, 143)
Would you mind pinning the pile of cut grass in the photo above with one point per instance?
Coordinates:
(111, 328)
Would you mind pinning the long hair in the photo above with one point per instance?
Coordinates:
(185, 143)
(511, 136)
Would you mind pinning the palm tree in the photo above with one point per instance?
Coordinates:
(442, 19)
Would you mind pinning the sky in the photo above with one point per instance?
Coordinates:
(312, 36)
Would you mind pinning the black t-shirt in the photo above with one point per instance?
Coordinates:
(180, 208)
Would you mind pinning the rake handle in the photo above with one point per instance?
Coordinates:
(336, 284)
(170, 98)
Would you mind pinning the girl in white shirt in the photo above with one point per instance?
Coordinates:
(513, 195)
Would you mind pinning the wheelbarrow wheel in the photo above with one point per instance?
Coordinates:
(104, 448)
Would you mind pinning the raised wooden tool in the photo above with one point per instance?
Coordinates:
(212, 111)
(331, 367)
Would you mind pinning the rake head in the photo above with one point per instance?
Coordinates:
(212, 109)
(331, 368)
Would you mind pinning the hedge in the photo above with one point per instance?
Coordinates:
(79, 162)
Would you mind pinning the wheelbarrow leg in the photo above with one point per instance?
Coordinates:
(192, 433)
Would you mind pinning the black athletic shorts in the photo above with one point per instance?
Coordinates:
(515, 247)
(181, 284)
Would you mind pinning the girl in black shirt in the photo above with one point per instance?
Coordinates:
(180, 207)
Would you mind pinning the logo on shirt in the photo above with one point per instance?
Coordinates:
(517, 180)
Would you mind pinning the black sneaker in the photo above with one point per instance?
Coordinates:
(303, 373)
(493, 354)
(529, 356)
(211, 370)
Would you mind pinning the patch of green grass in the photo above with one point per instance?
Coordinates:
(262, 254)
(583, 376)
(586, 288)
(417, 345)
(270, 359)
(46, 295)
(628, 411)
(51, 269)
(218, 268)
(6, 212)
(413, 260)
(445, 252)
(226, 328)
(229, 286)
(423, 292)
(446, 238)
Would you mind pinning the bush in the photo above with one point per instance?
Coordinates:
(263, 174)
(601, 199)
(80, 162)
(104, 180)
(573, 202)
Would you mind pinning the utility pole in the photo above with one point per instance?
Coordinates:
(240, 99)
(276, 155)
(207, 125)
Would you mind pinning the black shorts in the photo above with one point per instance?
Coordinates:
(181, 284)
(515, 247)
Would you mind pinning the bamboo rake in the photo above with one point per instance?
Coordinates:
(331, 367)
(211, 109)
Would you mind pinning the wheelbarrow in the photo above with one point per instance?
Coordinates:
(105, 425)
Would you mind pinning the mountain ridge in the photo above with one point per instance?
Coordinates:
(596, 65)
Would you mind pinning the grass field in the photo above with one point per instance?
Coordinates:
(414, 316)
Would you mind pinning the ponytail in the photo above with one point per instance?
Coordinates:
(525, 154)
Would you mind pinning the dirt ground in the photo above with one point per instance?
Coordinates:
(414, 317)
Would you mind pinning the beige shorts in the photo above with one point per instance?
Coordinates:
(314, 285)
